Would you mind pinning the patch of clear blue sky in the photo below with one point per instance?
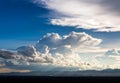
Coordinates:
(23, 23)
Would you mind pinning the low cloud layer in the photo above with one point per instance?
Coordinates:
(8, 70)
(98, 15)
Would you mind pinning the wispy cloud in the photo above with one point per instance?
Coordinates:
(99, 15)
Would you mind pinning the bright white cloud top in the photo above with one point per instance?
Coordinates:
(98, 15)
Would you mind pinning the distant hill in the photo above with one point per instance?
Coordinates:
(106, 72)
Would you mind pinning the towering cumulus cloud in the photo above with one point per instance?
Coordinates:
(53, 49)
(98, 15)
(67, 43)
(65, 49)
(76, 49)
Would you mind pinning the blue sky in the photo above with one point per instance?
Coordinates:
(23, 22)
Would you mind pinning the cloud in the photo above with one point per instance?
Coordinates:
(6, 69)
(98, 15)
(112, 52)
(54, 49)
(76, 49)
(74, 40)
(29, 51)
(64, 50)
(6, 54)
(9, 70)
(112, 5)
(10, 55)
(110, 58)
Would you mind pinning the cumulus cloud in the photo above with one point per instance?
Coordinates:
(98, 15)
(27, 51)
(76, 49)
(6, 54)
(64, 50)
(112, 52)
(54, 49)
(110, 58)
(74, 40)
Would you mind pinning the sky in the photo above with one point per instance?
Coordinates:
(78, 33)
(24, 22)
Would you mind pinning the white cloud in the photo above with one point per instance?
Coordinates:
(112, 52)
(99, 15)
(54, 49)
(74, 40)
(110, 58)
(77, 49)
(64, 50)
